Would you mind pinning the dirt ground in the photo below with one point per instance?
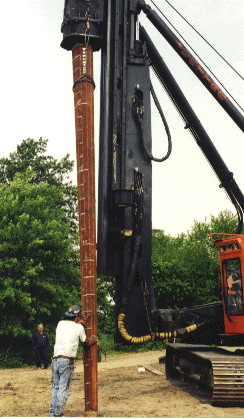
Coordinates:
(123, 391)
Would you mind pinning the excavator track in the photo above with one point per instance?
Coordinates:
(216, 370)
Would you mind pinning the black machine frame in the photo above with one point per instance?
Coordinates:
(125, 150)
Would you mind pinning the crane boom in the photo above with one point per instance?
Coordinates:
(194, 65)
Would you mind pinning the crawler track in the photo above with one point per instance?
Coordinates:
(219, 372)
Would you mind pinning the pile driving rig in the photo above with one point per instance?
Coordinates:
(125, 194)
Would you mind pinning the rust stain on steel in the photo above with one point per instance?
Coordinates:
(85, 154)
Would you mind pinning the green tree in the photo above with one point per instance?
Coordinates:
(186, 269)
(32, 154)
(39, 263)
(39, 256)
(106, 305)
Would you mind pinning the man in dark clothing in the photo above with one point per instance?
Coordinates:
(40, 344)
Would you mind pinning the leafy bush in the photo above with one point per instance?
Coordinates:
(39, 267)
(106, 305)
(185, 269)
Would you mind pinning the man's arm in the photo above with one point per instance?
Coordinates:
(92, 339)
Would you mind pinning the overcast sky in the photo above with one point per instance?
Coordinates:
(37, 99)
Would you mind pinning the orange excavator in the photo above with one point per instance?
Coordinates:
(218, 369)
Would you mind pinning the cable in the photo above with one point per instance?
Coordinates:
(197, 55)
(201, 37)
(84, 78)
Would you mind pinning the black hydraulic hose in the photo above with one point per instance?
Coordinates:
(188, 329)
(131, 276)
(240, 218)
(164, 122)
(155, 335)
(139, 121)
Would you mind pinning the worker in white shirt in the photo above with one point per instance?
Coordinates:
(68, 334)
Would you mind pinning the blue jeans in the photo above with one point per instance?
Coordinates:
(63, 370)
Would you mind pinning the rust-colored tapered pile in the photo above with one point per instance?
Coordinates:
(84, 122)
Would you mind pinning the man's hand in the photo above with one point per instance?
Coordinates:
(90, 341)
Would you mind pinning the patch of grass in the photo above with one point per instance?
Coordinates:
(125, 379)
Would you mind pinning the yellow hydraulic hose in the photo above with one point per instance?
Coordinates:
(147, 338)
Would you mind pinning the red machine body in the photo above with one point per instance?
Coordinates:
(231, 254)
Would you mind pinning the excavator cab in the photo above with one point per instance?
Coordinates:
(231, 254)
(220, 368)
